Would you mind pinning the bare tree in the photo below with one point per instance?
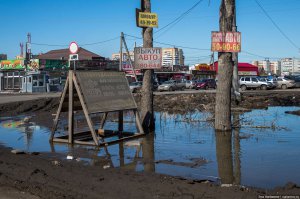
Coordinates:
(147, 112)
(225, 71)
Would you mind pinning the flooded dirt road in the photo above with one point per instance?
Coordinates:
(184, 158)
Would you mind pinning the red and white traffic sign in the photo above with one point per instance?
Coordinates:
(73, 48)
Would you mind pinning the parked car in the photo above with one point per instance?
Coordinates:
(273, 81)
(206, 84)
(135, 86)
(296, 78)
(171, 85)
(254, 82)
(285, 83)
(190, 84)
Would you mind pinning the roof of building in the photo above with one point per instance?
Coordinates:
(63, 54)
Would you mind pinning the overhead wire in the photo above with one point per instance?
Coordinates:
(275, 24)
(177, 20)
(66, 45)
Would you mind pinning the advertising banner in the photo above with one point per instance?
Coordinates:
(147, 58)
(12, 64)
(147, 19)
(225, 41)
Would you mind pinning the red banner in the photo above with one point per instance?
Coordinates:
(226, 41)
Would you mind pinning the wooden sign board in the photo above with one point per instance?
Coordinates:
(95, 92)
(105, 91)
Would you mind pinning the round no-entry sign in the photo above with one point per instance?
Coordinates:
(73, 48)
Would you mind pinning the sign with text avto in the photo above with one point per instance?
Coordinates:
(147, 58)
(225, 41)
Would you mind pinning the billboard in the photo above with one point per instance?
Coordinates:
(225, 41)
(147, 19)
(147, 58)
(12, 64)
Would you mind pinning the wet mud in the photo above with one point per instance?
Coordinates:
(46, 175)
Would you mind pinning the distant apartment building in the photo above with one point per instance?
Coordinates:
(172, 57)
(290, 65)
(273, 67)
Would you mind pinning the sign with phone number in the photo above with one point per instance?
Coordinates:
(226, 41)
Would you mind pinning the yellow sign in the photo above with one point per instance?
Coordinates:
(147, 19)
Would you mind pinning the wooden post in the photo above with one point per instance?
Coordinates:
(225, 70)
(121, 53)
(120, 126)
(147, 111)
(71, 106)
(235, 79)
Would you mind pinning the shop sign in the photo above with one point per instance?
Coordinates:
(147, 19)
(34, 64)
(12, 64)
(225, 41)
(202, 67)
(247, 73)
(147, 58)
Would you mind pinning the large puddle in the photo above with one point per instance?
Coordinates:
(264, 152)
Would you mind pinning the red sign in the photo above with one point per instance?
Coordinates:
(73, 47)
(147, 58)
(226, 41)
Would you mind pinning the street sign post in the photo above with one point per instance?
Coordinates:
(73, 48)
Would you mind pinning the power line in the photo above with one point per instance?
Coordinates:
(66, 45)
(168, 44)
(255, 55)
(278, 28)
(177, 20)
(100, 42)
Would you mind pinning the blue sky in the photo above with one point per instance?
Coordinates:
(58, 22)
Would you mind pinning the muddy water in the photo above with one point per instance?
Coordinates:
(263, 152)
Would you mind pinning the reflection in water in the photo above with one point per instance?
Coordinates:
(224, 156)
(25, 126)
(237, 149)
(229, 167)
(148, 152)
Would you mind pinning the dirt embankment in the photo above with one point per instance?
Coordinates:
(176, 103)
(45, 177)
(41, 175)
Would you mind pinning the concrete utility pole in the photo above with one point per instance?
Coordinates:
(225, 71)
(147, 112)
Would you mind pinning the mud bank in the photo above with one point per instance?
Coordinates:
(175, 103)
(45, 176)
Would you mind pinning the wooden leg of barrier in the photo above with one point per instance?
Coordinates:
(59, 109)
(120, 121)
(103, 120)
(85, 111)
(71, 111)
(138, 121)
